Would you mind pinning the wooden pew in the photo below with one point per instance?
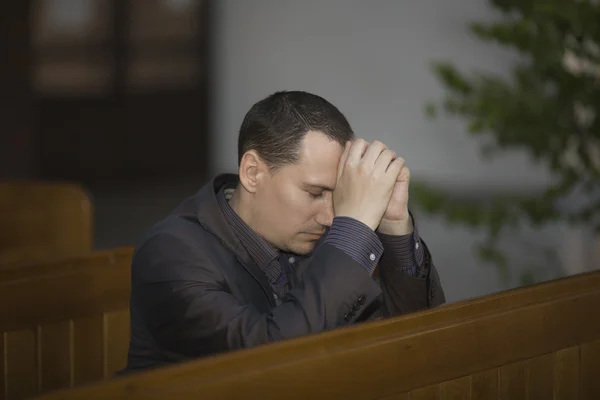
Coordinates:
(63, 323)
(101, 258)
(43, 221)
(538, 342)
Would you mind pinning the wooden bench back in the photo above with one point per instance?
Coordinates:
(536, 342)
(43, 221)
(63, 323)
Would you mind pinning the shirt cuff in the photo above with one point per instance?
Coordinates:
(357, 240)
(406, 251)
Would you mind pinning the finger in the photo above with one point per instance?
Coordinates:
(401, 161)
(395, 167)
(404, 174)
(384, 160)
(343, 159)
(358, 148)
(373, 152)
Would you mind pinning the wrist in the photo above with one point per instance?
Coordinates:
(396, 227)
(365, 220)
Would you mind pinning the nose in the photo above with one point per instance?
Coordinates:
(325, 215)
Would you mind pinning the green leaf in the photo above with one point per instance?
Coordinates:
(530, 109)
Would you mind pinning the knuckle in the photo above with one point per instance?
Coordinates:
(380, 144)
(395, 167)
(377, 176)
(363, 168)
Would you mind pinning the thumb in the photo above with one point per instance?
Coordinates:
(404, 175)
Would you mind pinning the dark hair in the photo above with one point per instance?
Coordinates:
(275, 126)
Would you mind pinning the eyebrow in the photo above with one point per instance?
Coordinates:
(315, 186)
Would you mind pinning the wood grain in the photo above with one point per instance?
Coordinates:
(484, 385)
(54, 327)
(116, 341)
(2, 366)
(88, 349)
(326, 365)
(501, 335)
(512, 383)
(566, 374)
(55, 355)
(456, 389)
(540, 377)
(431, 392)
(399, 396)
(589, 370)
(21, 364)
(19, 272)
(42, 221)
(65, 294)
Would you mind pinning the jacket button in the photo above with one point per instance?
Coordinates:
(362, 300)
(432, 292)
(347, 317)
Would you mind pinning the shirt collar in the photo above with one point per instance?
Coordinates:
(265, 256)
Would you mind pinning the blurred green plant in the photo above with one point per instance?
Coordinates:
(548, 106)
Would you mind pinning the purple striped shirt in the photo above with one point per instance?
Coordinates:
(348, 234)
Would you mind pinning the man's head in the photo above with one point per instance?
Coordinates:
(289, 147)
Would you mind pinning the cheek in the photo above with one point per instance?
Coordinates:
(298, 205)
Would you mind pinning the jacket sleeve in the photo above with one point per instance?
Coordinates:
(403, 293)
(186, 305)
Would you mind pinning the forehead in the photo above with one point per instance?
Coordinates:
(319, 157)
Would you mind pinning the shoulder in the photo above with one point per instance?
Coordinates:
(177, 248)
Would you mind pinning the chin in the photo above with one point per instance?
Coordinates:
(303, 248)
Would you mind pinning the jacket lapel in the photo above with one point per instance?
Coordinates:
(211, 218)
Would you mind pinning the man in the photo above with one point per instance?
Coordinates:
(286, 248)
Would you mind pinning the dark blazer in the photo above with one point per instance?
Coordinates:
(195, 290)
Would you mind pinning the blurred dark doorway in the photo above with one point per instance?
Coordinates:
(121, 89)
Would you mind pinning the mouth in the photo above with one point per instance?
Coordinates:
(317, 235)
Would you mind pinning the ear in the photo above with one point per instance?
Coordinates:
(253, 171)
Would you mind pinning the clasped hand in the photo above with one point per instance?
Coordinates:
(372, 187)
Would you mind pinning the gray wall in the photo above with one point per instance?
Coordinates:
(371, 59)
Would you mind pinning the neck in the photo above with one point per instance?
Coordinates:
(241, 203)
